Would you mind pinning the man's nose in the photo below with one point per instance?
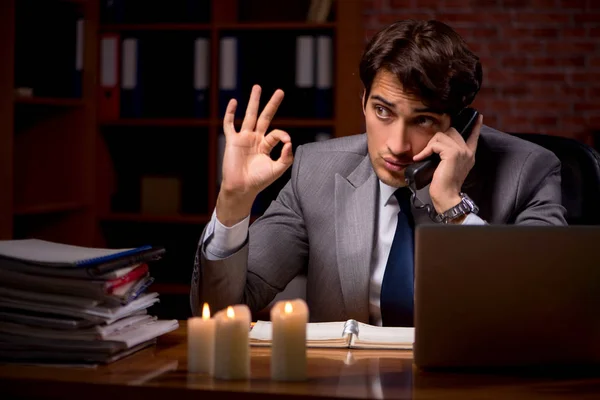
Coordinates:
(398, 142)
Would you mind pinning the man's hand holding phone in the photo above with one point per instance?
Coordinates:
(247, 164)
(457, 158)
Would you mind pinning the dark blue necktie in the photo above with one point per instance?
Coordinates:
(397, 288)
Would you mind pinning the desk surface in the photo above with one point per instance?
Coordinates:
(161, 373)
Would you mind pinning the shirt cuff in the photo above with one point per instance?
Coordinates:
(222, 241)
(473, 219)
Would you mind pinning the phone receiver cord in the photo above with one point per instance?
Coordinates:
(419, 205)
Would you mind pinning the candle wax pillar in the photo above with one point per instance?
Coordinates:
(288, 347)
(201, 342)
(232, 343)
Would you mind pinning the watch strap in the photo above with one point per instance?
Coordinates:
(465, 206)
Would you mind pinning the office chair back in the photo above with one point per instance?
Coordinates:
(580, 174)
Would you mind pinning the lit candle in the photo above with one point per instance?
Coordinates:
(232, 343)
(288, 346)
(201, 342)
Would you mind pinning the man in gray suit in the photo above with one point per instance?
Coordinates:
(336, 218)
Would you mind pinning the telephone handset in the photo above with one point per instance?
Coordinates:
(419, 175)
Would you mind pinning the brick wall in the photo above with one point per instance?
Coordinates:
(541, 58)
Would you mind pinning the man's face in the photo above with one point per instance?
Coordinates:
(399, 126)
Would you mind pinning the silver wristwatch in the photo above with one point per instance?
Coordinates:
(465, 206)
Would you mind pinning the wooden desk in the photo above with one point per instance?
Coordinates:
(161, 373)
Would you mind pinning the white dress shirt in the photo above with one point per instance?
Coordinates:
(225, 241)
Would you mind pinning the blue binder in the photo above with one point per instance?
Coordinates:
(131, 88)
(324, 65)
(78, 76)
(113, 11)
(229, 76)
(201, 77)
(304, 94)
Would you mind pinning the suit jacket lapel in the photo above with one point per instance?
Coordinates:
(355, 202)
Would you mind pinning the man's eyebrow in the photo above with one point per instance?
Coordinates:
(416, 110)
(384, 101)
(428, 110)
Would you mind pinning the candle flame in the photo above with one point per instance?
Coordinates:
(288, 307)
(230, 312)
(205, 311)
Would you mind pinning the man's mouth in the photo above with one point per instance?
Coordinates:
(395, 165)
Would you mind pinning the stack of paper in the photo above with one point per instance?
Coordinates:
(63, 303)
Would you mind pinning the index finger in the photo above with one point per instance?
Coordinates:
(471, 141)
(228, 120)
(269, 111)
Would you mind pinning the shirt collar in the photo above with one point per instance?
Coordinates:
(386, 193)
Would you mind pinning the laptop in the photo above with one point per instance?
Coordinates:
(506, 296)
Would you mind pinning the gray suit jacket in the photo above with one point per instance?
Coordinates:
(323, 223)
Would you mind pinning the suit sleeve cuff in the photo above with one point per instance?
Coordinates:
(221, 241)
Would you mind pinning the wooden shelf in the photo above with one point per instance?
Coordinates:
(276, 26)
(295, 122)
(69, 1)
(170, 288)
(221, 26)
(167, 122)
(191, 122)
(155, 27)
(50, 101)
(157, 218)
(49, 208)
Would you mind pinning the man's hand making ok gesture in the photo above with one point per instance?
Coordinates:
(247, 164)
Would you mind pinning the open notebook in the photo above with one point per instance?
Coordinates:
(344, 334)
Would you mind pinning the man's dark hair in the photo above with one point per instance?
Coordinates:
(430, 60)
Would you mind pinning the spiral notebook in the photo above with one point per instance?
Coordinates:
(342, 334)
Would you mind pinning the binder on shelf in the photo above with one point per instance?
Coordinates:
(319, 10)
(322, 136)
(131, 91)
(79, 41)
(197, 11)
(229, 74)
(109, 96)
(324, 91)
(201, 77)
(112, 11)
(305, 74)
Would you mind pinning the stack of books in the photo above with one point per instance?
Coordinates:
(69, 304)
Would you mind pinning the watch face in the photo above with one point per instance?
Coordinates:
(470, 204)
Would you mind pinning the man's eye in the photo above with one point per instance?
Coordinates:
(425, 121)
(382, 112)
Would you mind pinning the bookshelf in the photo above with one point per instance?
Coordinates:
(270, 28)
(75, 175)
(47, 125)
